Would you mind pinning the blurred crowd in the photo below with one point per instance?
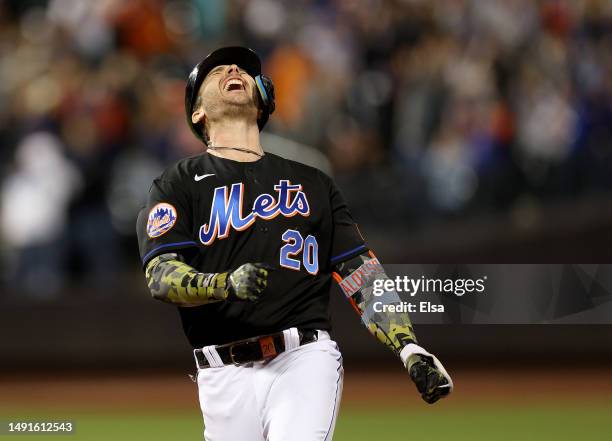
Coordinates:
(427, 109)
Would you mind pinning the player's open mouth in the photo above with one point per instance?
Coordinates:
(233, 84)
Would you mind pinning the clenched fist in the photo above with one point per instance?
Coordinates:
(247, 282)
(428, 374)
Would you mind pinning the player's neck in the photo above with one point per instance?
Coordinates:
(236, 134)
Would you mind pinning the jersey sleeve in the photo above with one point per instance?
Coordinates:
(165, 223)
(347, 241)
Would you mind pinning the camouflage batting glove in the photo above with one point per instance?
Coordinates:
(248, 282)
(429, 376)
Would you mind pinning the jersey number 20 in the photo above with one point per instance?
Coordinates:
(296, 244)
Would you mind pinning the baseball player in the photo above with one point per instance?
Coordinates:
(246, 245)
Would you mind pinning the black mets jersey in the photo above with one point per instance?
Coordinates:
(219, 214)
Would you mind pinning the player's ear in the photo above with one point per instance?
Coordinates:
(198, 115)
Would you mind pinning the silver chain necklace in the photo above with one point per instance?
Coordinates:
(240, 149)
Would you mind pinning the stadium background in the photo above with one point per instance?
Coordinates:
(459, 131)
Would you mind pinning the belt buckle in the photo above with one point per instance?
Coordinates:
(231, 354)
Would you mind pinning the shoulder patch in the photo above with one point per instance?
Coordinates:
(162, 218)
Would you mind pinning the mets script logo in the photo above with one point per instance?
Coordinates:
(226, 211)
(162, 218)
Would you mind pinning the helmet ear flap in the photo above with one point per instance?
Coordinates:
(266, 93)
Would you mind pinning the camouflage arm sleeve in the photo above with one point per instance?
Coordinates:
(173, 281)
(356, 279)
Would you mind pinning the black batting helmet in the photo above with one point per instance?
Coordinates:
(244, 58)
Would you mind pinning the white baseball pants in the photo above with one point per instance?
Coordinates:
(293, 397)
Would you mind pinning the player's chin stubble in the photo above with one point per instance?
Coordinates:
(219, 107)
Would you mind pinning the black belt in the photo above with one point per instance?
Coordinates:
(264, 347)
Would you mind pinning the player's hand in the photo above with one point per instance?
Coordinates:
(248, 282)
(430, 382)
(428, 374)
